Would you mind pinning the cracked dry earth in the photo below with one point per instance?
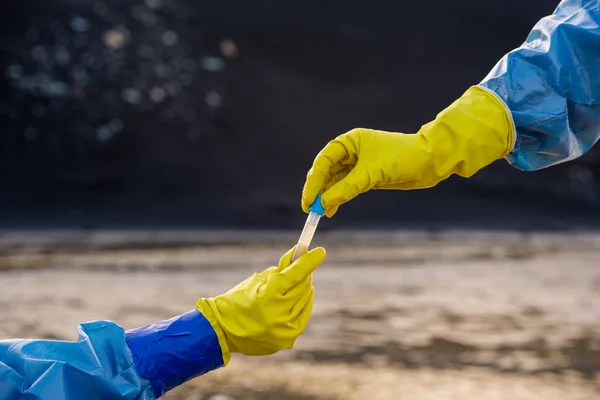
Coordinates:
(494, 317)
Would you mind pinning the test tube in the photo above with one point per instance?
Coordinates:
(316, 211)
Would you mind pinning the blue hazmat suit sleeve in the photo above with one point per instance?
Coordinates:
(551, 84)
(108, 363)
(98, 365)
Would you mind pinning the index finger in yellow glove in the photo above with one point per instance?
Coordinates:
(285, 265)
(333, 159)
(300, 270)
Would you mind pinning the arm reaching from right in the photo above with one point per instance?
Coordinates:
(539, 106)
(471, 133)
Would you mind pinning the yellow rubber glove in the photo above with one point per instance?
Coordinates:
(470, 134)
(266, 312)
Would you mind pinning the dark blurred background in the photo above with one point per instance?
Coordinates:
(193, 113)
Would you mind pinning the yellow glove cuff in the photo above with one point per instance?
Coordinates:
(511, 129)
(205, 306)
(474, 131)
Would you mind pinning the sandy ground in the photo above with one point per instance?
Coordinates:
(397, 316)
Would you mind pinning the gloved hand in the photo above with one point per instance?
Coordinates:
(470, 134)
(266, 312)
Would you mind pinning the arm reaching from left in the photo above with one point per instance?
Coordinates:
(262, 315)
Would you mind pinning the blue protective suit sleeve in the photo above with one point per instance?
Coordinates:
(108, 363)
(551, 84)
(171, 352)
(98, 366)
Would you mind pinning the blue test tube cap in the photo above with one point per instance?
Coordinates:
(317, 207)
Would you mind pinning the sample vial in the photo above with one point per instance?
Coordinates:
(310, 227)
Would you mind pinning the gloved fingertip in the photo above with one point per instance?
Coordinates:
(304, 206)
(317, 255)
(308, 197)
(330, 212)
(328, 198)
(303, 267)
(329, 206)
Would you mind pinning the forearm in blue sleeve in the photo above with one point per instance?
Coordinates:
(98, 365)
(551, 84)
(171, 352)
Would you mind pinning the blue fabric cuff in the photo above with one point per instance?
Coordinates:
(171, 352)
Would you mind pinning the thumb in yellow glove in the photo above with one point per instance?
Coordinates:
(266, 312)
(470, 134)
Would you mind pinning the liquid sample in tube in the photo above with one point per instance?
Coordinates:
(306, 236)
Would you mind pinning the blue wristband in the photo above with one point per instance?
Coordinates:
(171, 352)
